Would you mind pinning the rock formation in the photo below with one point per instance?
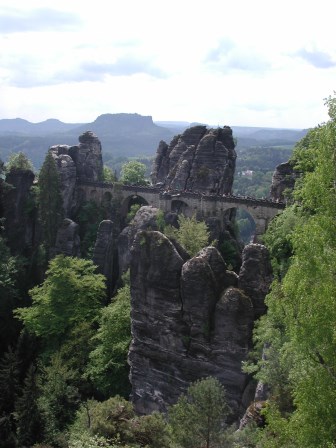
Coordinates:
(189, 320)
(284, 178)
(82, 162)
(200, 159)
(67, 239)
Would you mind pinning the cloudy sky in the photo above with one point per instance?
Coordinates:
(237, 62)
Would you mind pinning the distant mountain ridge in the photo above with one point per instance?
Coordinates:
(122, 134)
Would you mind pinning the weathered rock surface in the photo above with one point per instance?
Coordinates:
(189, 320)
(67, 239)
(82, 162)
(284, 178)
(20, 219)
(144, 219)
(255, 276)
(200, 159)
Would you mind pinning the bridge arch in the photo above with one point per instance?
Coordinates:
(180, 207)
(132, 199)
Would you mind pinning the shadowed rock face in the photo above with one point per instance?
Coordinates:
(284, 178)
(189, 320)
(67, 239)
(200, 159)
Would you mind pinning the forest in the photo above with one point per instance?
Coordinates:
(64, 341)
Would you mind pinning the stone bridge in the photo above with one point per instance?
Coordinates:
(189, 203)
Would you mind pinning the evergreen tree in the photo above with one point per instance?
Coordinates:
(19, 161)
(9, 386)
(50, 200)
(28, 417)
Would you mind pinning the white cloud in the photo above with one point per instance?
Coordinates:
(240, 63)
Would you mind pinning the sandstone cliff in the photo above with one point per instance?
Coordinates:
(82, 162)
(200, 159)
(190, 319)
(283, 179)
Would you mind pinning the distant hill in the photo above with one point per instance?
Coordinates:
(128, 135)
(24, 127)
(120, 134)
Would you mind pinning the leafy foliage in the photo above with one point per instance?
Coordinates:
(71, 293)
(298, 332)
(133, 172)
(108, 366)
(197, 418)
(193, 235)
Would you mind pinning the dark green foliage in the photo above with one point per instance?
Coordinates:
(59, 398)
(19, 161)
(9, 383)
(50, 200)
(28, 416)
(197, 419)
(89, 217)
(9, 296)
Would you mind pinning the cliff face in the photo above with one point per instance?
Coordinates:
(190, 319)
(284, 178)
(82, 162)
(200, 159)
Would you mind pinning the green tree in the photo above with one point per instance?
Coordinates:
(59, 399)
(27, 413)
(193, 235)
(19, 161)
(108, 175)
(198, 416)
(71, 293)
(301, 314)
(9, 388)
(108, 367)
(133, 172)
(50, 200)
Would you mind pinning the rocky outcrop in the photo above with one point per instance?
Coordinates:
(255, 276)
(19, 211)
(67, 239)
(144, 219)
(283, 179)
(200, 159)
(189, 320)
(82, 162)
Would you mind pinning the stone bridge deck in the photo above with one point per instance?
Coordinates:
(188, 203)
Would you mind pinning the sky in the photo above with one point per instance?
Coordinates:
(237, 63)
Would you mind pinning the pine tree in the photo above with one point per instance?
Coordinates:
(8, 393)
(29, 422)
(50, 200)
